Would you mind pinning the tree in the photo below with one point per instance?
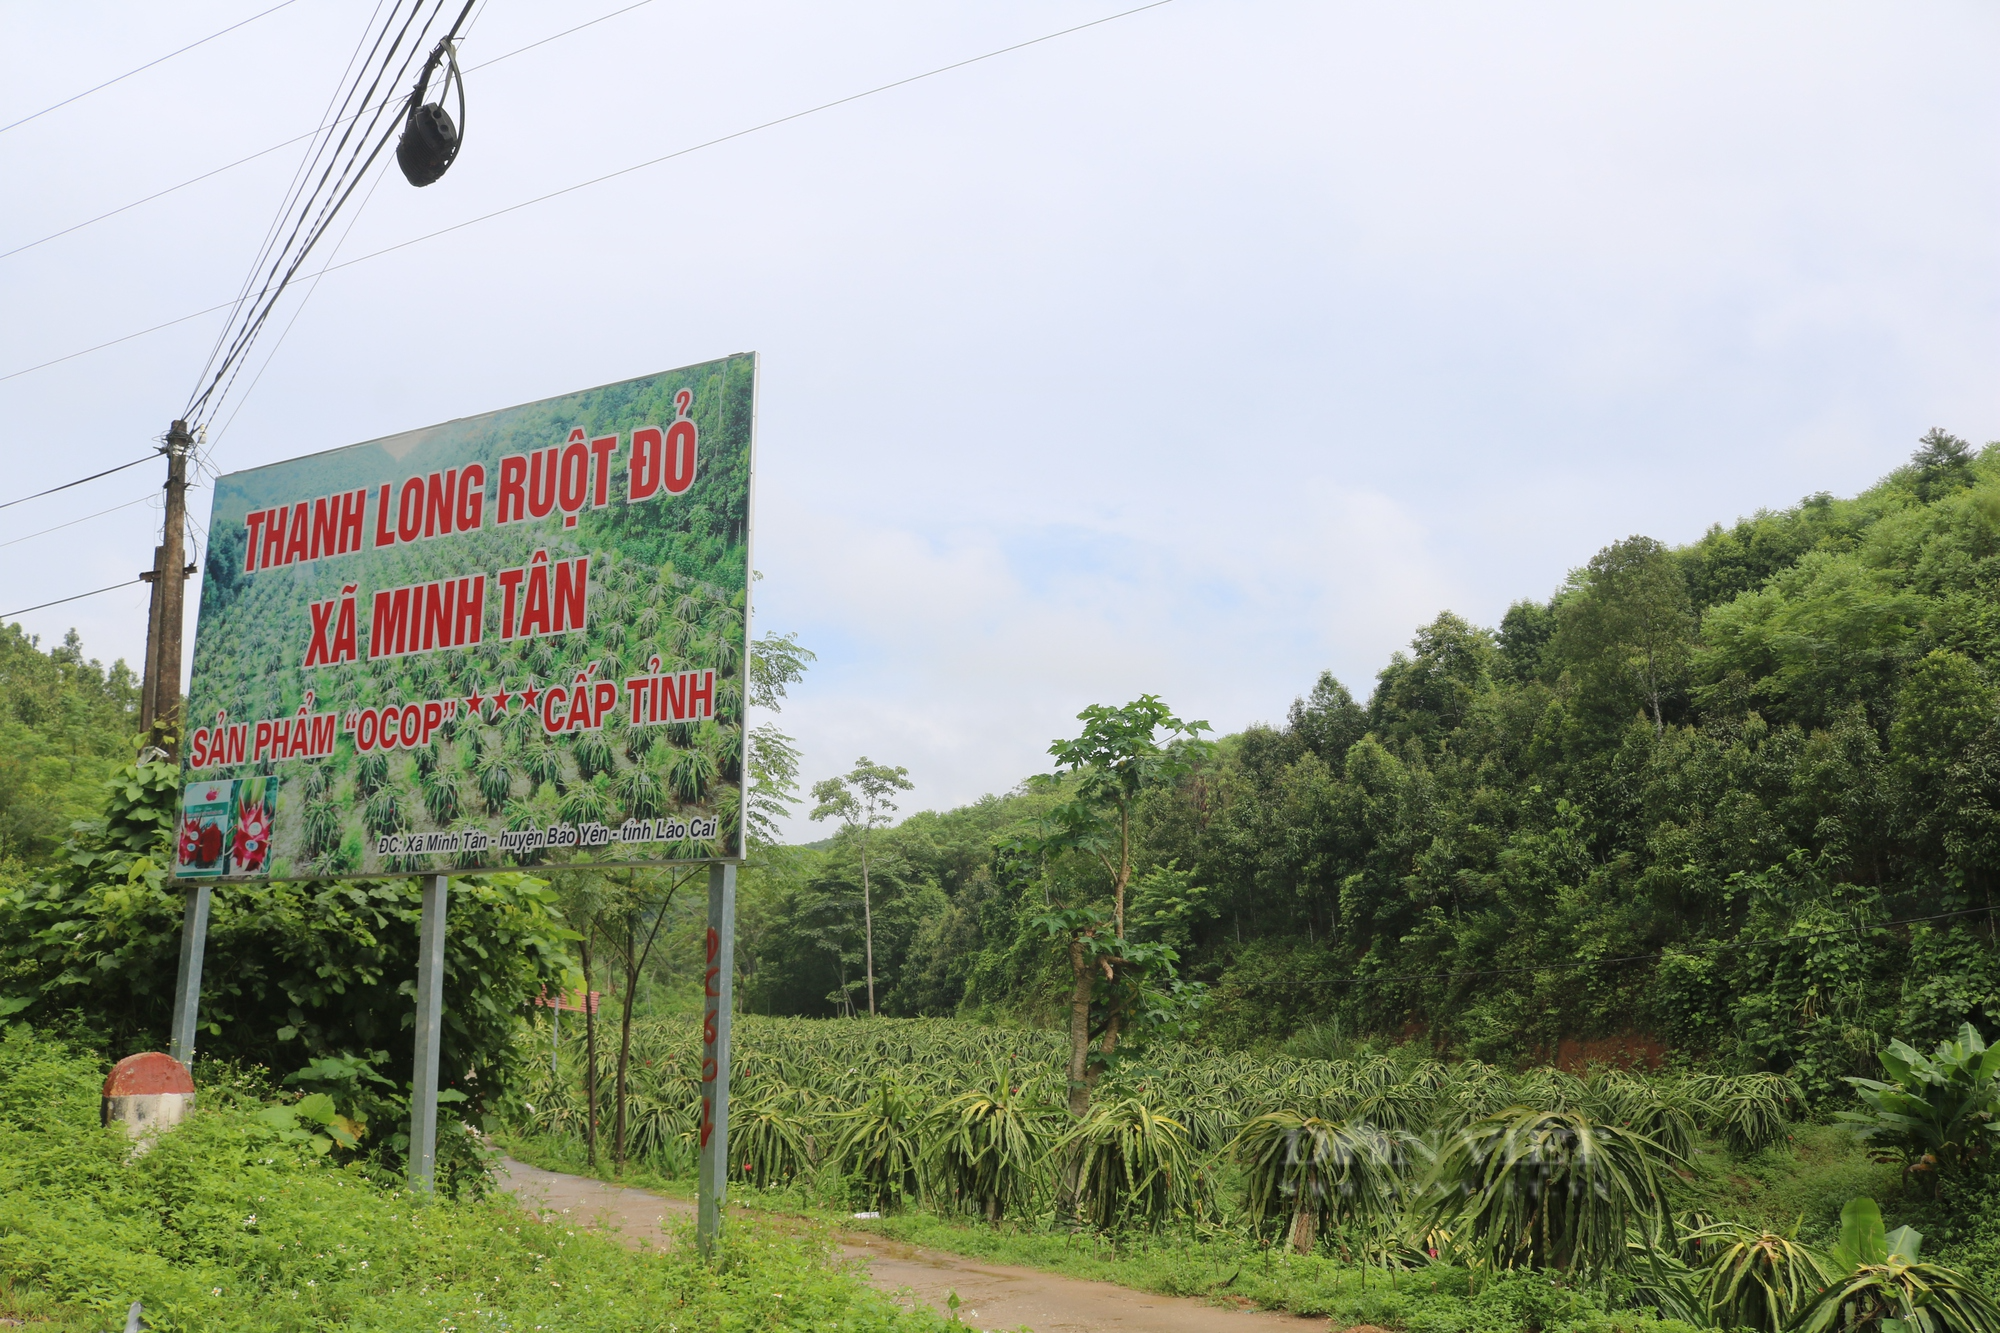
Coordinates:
(1329, 721)
(631, 908)
(1627, 612)
(1942, 463)
(860, 801)
(776, 661)
(1117, 755)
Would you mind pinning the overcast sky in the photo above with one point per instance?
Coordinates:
(1194, 353)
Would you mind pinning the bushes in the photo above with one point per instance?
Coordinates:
(1128, 1165)
(1315, 1174)
(296, 975)
(228, 1225)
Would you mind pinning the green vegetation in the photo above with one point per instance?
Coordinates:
(65, 726)
(309, 981)
(1737, 801)
(234, 1222)
(1414, 1174)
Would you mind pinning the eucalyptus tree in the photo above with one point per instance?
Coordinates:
(861, 802)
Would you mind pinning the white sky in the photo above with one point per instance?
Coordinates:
(1192, 354)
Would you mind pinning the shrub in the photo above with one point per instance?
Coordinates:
(986, 1147)
(1938, 1114)
(1881, 1283)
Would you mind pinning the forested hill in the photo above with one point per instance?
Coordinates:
(66, 723)
(1690, 803)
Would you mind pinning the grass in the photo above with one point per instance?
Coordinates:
(1802, 1181)
(229, 1224)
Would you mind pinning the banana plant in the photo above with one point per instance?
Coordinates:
(1884, 1287)
(1937, 1114)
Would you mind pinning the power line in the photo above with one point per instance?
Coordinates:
(301, 138)
(300, 309)
(7, 615)
(143, 68)
(79, 481)
(1719, 946)
(85, 519)
(612, 175)
(328, 194)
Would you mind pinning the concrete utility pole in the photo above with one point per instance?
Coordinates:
(160, 696)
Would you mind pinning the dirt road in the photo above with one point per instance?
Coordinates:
(991, 1296)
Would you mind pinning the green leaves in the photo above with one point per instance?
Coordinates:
(879, 1147)
(1317, 1173)
(984, 1148)
(1939, 1114)
(1753, 1278)
(1549, 1189)
(1130, 1166)
(1878, 1281)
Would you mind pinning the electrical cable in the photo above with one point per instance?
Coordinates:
(299, 310)
(85, 519)
(331, 193)
(143, 68)
(1717, 947)
(336, 182)
(208, 446)
(79, 481)
(612, 175)
(77, 598)
(301, 138)
(341, 89)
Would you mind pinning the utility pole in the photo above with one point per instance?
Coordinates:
(160, 695)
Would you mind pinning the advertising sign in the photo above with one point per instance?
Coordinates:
(511, 640)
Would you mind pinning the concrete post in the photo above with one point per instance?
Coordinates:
(187, 980)
(718, 984)
(430, 1020)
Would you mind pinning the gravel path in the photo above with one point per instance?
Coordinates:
(991, 1296)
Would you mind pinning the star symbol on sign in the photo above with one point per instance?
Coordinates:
(500, 698)
(472, 702)
(528, 697)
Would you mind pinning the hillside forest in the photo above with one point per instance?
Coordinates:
(1736, 801)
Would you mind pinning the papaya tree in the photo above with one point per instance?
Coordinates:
(1102, 771)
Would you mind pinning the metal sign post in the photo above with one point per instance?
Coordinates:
(717, 984)
(187, 981)
(430, 1024)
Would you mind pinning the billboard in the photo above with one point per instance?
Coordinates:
(511, 640)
